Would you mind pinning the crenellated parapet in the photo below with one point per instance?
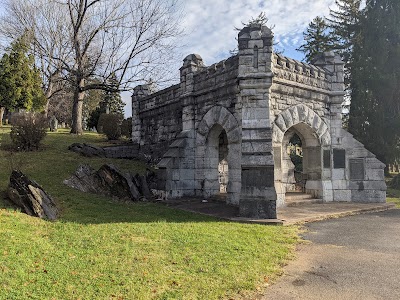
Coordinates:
(288, 69)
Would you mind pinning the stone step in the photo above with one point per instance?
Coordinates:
(296, 199)
(220, 197)
(292, 203)
(297, 196)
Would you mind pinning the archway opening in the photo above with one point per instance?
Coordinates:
(301, 160)
(216, 164)
(295, 151)
(223, 177)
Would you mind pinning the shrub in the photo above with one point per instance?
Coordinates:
(126, 127)
(28, 130)
(110, 125)
(93, 120)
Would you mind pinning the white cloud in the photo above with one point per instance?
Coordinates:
(210, 23)
(209, 26)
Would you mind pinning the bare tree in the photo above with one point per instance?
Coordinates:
(133, 39)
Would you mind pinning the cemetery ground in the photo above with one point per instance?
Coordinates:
(102, 248)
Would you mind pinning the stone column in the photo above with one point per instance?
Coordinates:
(182, 171)
(258, 196)
(139, 92)
(333, 179)
(191, 64)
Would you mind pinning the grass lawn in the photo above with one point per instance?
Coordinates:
(393, 196)
(104, 249)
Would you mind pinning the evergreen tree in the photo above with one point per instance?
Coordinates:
(344, 25)
(111, 103)
(317, 39)
(112, 99)
(20, 81)
(375, 81)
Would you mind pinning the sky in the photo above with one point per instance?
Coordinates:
(209, 26)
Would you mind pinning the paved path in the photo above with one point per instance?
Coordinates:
(356, 257)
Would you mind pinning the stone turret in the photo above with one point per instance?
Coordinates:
(258, 196)
(139, 92)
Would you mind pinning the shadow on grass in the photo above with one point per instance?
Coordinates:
(138, 212)
(101, 211)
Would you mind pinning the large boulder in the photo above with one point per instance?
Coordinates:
(110, 181)
(30, 197)
(87, 150)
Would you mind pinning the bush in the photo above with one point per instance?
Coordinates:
(93, 120)
(28, 130)
(395, 182)
(126, 127)
(110, 125)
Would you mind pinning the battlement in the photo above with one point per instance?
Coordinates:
(300, 72)
(221, 66)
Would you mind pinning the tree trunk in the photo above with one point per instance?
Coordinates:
(77, 108)
(2, 109)
(49, 91)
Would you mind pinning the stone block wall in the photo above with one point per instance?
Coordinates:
(158, 120)
(215, 85)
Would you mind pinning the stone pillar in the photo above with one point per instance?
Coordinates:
(258, 196)
(139, 92)
(333, 178)
(334, 66)
(191, 64)
(180, 167)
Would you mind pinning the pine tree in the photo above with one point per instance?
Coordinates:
(110, 104)
(344, 25)
(375, 81)
(317, 39)
(20, 81)
(112, 98)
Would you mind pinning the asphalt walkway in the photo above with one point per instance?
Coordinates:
(287, 215)
(355, 257)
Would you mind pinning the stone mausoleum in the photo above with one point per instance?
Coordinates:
(227, 129)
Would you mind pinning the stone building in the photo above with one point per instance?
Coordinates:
(225, 128)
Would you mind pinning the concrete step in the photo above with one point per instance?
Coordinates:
(297, 196)
(296, 199)
(292, 203)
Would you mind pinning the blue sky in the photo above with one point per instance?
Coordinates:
(209, 26)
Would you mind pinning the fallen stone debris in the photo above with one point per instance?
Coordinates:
(30, 197)
(110, 181)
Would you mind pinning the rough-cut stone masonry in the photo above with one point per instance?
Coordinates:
(227, 127)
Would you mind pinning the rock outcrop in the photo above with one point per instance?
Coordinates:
(30, 197)
(110, 181)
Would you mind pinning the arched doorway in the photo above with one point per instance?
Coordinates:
(302, 122)
(217, 156)
(216, 163)
(301, 161)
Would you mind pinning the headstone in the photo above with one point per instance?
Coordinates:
(53, 124)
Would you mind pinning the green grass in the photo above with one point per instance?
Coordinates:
(101, 248)
(393, 196)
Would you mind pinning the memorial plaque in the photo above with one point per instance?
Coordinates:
(339, 158)
(327, 159)
(356, 168)
(258, 176)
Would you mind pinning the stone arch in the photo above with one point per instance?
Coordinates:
(315, 136)
(300, 114)
(218, 120)
(220, 115)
